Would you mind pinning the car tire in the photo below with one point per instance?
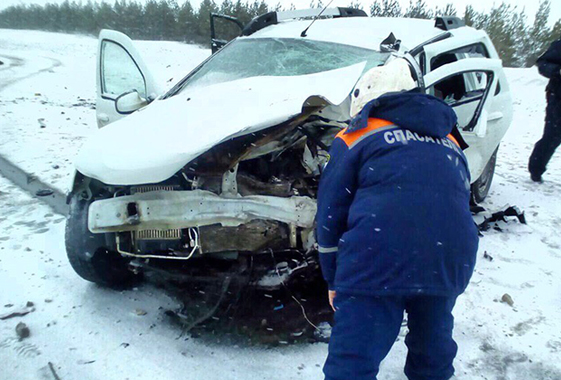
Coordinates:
(88, 254)
(480, 188)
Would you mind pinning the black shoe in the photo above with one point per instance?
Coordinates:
(536, 177)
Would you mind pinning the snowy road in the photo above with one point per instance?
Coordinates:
(18, 68)
(87, 332)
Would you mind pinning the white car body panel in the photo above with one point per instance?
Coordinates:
(152, 144)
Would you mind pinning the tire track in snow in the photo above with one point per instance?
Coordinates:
(18, 176)
(20, 62)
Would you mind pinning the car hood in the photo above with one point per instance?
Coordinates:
(152, 144)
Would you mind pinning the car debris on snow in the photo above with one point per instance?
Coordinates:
(506, 298)
(53, 372)
(85, 362)
(29, 307)
(140, 312)
(44, 192)
(22, 331)
(498, 216)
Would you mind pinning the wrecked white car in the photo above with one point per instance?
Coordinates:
(218, 176)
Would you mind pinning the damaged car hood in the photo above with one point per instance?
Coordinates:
(154, 143)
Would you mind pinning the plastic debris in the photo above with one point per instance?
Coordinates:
(499, 216)
(487, 256)
(44, 192)
(140, 312)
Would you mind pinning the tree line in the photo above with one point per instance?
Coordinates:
(518, 41)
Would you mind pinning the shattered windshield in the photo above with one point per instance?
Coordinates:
(245, 58)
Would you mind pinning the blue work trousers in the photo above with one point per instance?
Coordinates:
(366, 327)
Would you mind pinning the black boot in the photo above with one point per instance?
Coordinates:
(536, 177)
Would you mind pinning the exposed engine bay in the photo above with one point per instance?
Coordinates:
(228, 212)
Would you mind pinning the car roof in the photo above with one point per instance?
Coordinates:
(366, 32)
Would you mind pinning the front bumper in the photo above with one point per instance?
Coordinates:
(166, 210)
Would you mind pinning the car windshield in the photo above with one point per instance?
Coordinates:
(245, 58)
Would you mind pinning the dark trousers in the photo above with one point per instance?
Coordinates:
(366, 327)
(544, 149)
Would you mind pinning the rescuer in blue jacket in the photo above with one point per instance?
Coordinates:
(395, 234)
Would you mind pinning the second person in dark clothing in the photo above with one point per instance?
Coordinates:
(549, 65)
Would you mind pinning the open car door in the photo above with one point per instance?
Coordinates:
(223, 29)
(469, 86)
(124, 83)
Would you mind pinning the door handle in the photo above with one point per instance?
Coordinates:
(103, 117)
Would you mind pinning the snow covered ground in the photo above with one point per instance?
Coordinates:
(47, 96)
(87, 332)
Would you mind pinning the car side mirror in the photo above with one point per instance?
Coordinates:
(129, 102)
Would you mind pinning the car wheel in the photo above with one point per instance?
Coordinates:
(480, 188)
(88, 254)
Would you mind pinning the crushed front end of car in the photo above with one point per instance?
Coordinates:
(240, 215)
(198, 192)
(246, 206)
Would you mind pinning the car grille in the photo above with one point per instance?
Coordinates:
(159, 234)
(148, 188)
(173, 234)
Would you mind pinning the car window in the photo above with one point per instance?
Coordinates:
(461, 87)
(471, 51)
(463, 91)
(245, 58)
(119, 72)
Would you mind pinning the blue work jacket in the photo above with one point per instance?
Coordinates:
(393, 204)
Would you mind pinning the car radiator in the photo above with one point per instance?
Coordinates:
(173, 234)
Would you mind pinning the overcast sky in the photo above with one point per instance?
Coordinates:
(531, 6)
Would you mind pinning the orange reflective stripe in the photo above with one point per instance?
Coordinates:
(373, 124)
(453, 139)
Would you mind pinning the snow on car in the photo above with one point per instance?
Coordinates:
(219, 174)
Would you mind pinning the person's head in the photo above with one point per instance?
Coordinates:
(393, 77)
